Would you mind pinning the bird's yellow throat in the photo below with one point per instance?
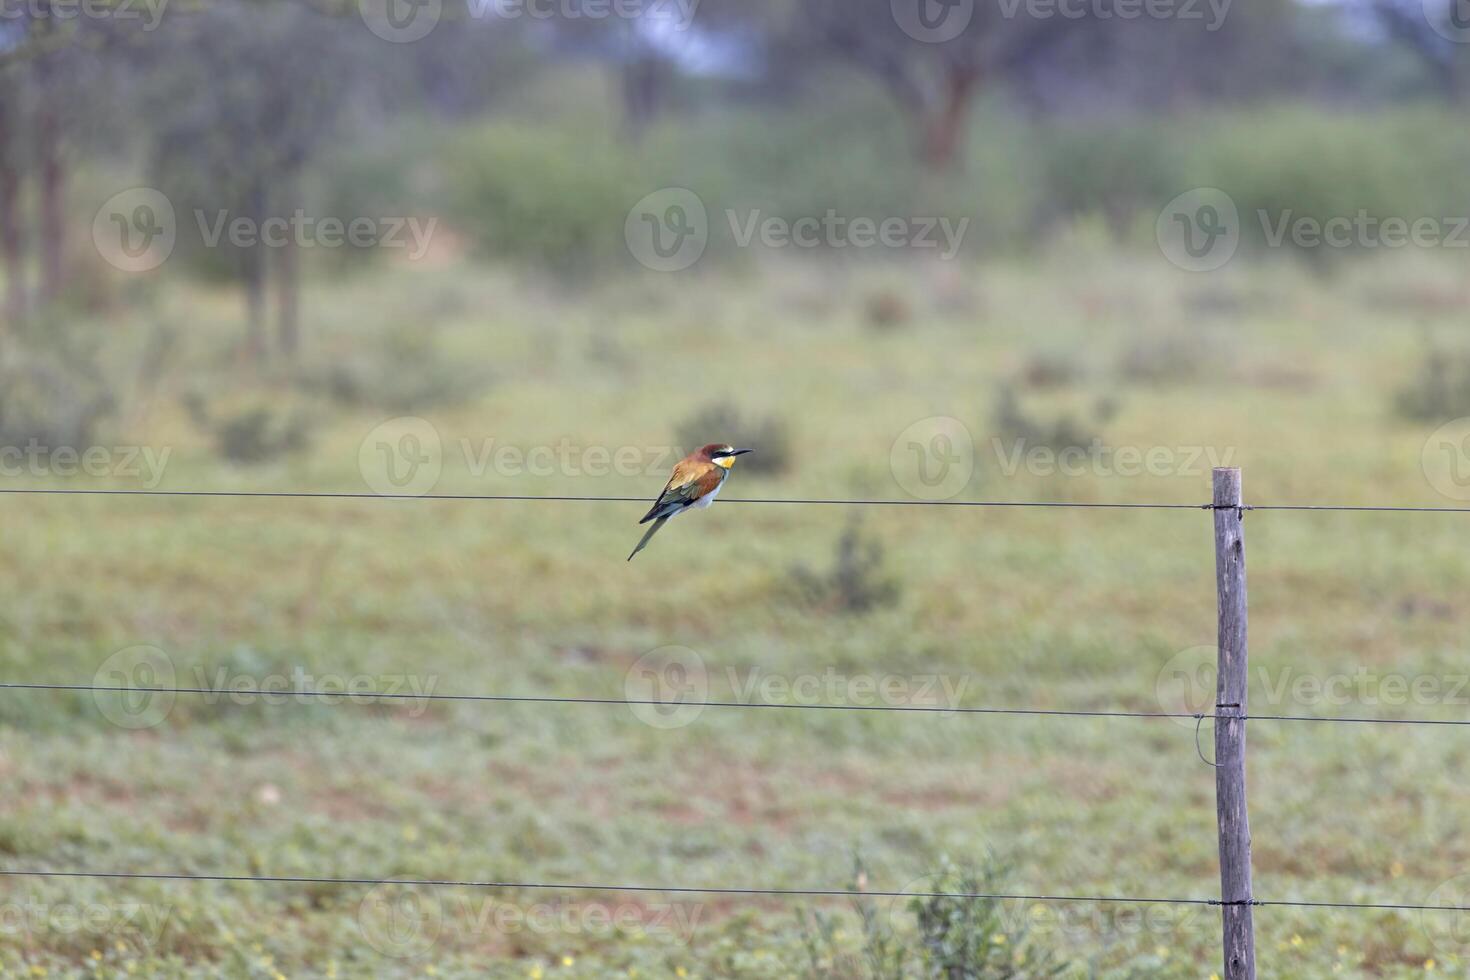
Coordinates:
(726, 462)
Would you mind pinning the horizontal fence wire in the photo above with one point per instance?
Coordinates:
(711, 890)
(633, 702)
(529, 498)
(585, 886)
(538, 699)
(835, 502)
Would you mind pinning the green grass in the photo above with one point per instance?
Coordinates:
(1058, 609)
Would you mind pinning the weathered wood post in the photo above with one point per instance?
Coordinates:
(1230, 710)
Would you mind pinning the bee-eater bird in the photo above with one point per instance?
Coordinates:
(696, 482)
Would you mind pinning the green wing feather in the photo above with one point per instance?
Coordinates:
(651, 532)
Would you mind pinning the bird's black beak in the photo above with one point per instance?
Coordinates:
(740, 452)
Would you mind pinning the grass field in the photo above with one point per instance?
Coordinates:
(1291, 376)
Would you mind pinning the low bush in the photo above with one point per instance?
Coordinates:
(1011, 423)
(254, 434)
(1439, 390)
(855, 582)
(950, 938)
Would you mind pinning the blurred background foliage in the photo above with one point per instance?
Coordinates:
(530, 136)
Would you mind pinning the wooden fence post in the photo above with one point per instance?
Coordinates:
(1230, 708)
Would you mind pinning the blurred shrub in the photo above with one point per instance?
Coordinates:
(790, 165)
(1117, 168)
(403, 372)
(53, 390)
(1012, 424)
(1163, 358)
(770, 437)
(954, 938)
(541, 195)
(1303, 162)
(255, 434)
(1440, 389)
(1275, 163)
(886, 309)
(1051, 369)
(854, 158)
(855, 583)
(552, 190)
(964, 937)
(387, 174)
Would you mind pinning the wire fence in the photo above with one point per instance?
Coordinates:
(820, 501)
(691, 890)
(817, 892)
(375, 696)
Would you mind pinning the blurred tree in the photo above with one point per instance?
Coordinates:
(1425, 27)
(46, 64)
(934, 70)
(1127, 60)
(52, 61)
(12, 243)
(246, 96)
(638, 50)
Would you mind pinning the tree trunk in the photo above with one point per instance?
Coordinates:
(945, 128)
(1458, 82)
(52, 231)
(643, 81)
(288, 268)
(252, 272)
(252, 277)
(12, 249)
